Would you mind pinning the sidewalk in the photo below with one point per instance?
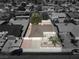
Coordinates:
(29, 30)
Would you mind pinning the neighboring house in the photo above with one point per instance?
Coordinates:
(73, 15)
(75, 32)
(12, 43)
(64, 28)
(72, 8)
(24, 22)
(58, 17)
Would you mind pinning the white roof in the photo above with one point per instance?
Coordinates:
(59, 14)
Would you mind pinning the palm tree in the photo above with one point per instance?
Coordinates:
(55, 40)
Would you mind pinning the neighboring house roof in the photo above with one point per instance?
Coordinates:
(75, 31)
(67, 42)
(23, 22)
(76, 19)
(59, 14)
(63, 27)
(73, 15)
(61, 19)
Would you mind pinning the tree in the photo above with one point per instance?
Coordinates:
(36, 18)
(55, 40)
